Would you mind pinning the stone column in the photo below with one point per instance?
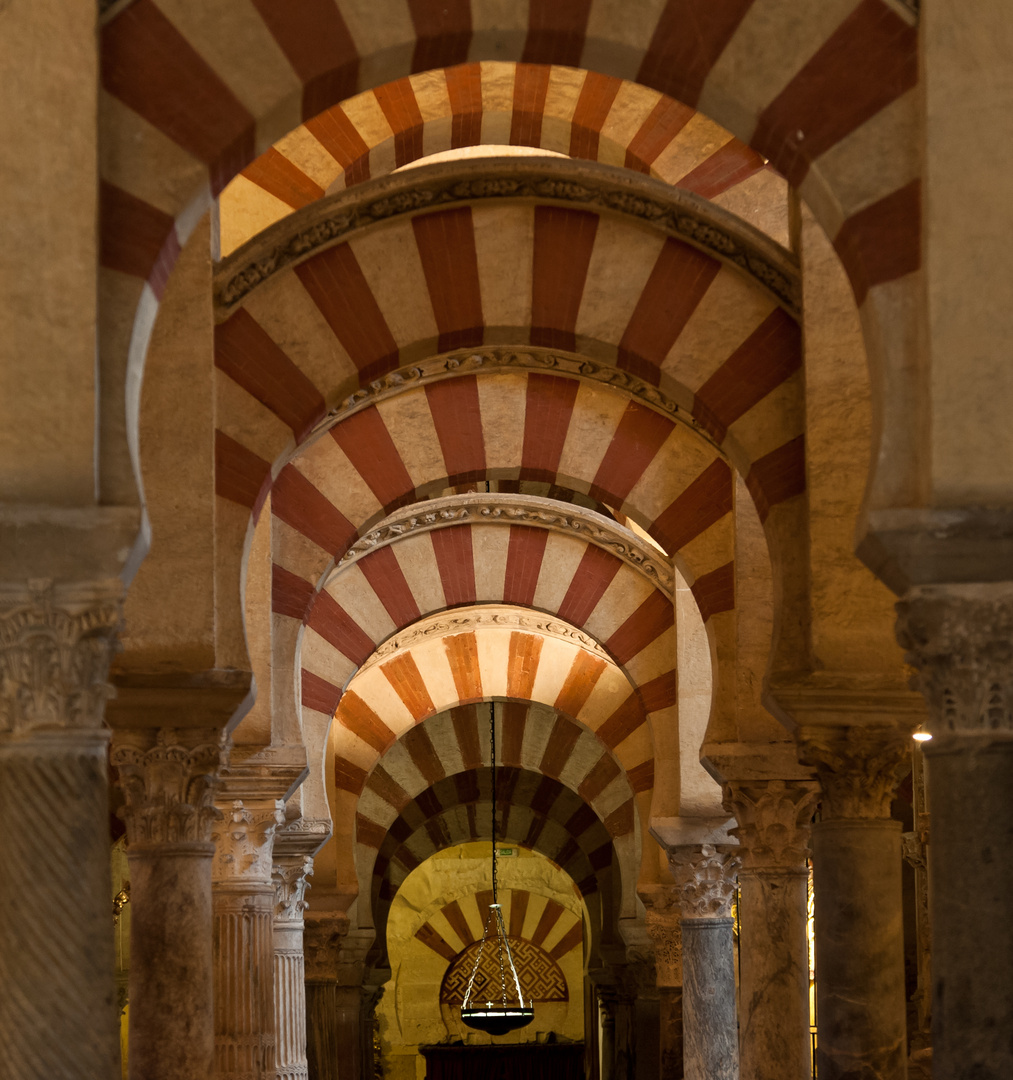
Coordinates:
(244, 898)
(290, 873)
(324, 933)
(774, 818)
(57, 1009)
(168, 778)
(663, 912)
(960, 638)
(705, 875)
(607, 1005)
(860, 999)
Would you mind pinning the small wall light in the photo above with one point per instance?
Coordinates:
(920, 734)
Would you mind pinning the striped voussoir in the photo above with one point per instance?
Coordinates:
(561, 109)
(536, 919)
(533, 811)
(189, 94)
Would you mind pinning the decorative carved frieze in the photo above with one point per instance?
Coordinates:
(513, 510)
(859, 768)
(56, 644)
(774, 819)
(289, 876)
(243, 842)
(600, 189)
(461, 621)
(706, 877)
(960, 640)
(168, 778)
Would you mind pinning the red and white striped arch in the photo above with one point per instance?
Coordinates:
(533, 811)
(531, 738)
(564, 110)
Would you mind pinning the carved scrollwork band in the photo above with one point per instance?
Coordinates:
(55, 648)
(959, 638)
(599, 188)
(706, 876)
(463, 621)
(773, 822)
(511, 510)
(859, 768)
(168, 778)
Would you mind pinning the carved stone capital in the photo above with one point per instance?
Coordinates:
(774, 818)
(663, 910)
(959, 638)
(168, 778)
(706, 876)
(244, 842)
(859, 768)
(56, 643)
(290, 885)
(325, 934)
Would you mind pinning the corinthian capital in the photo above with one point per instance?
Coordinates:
(706, 877)
(959, 638)
(774, 818)
(168, 778)
(244, 841)
(663, 909)
(859, 768)
(290, 885)
(325, 934)
(56, 643)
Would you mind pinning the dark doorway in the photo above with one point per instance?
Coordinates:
(526, 1062)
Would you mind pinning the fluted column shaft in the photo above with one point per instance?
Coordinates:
(244, 900)
(773, 832)
(860, 995)
(168, 778)
(56, 930)
(290, 874)
(706, 876)
(960, 638)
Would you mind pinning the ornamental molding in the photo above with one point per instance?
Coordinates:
(243, 842)
(859, 768)
(706, 876)
(508, 509)
(676, 405)
(289, 875)
(600, 188)
(169, 780)
(959, 639)
(463, 621)
(774, 820)
(56, 644)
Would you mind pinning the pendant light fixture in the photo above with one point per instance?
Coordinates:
(504, 1009)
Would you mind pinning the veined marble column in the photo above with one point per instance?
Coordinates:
(58, 1013)
(663, 913)
(960, 638)
(774, 818)
(290, 873)
(860, 996)
(244, 898)
(705, 875)
(168, 777)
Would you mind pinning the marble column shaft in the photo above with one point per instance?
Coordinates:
(706, 876)
(773, 832)
(290, 873)
(244, 899)
(859, 928)
(960, 639)
(168, 778)
(58, 1015)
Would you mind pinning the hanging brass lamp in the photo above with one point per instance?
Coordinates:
(504, 1009)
